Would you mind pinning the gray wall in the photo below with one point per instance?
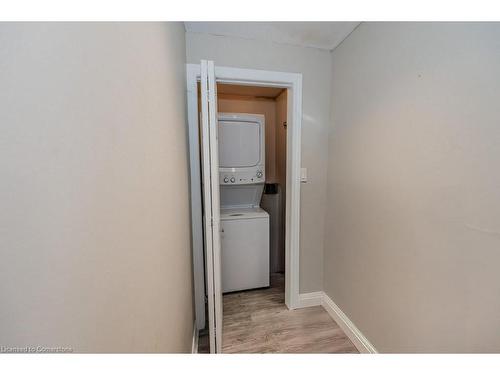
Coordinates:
(315, 66)
(413, 225)
(94, 215)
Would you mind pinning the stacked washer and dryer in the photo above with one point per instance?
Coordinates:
(244, 224)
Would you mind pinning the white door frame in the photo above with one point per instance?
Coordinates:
(293, 83)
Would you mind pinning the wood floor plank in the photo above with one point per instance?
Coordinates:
(258, 321)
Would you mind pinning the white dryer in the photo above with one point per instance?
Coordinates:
(244, 225)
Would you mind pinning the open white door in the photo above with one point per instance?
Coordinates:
(211, 197)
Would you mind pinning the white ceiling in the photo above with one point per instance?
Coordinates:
(323, 35)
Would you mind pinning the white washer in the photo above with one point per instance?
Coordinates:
(244, 225)
(245, 249)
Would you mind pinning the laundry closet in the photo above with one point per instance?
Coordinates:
(252, 174)
(252, 160)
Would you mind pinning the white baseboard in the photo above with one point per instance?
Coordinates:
(194, 345)
(355, 335)
(358, 339)
(310, 299)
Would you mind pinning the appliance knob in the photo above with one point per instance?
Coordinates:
(226, 180)
(259, 174)
(233, 180)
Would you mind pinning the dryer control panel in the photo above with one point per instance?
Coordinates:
(250, 176)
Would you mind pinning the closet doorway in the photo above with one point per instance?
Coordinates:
(277, 97)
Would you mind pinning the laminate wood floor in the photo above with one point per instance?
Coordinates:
(258, 321)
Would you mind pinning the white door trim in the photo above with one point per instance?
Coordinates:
(293, 82)
(195, 339)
